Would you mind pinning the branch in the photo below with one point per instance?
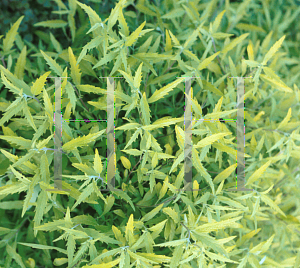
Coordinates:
(135, 166)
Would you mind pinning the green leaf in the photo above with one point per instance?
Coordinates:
(82, 141)
(273, 50)
(152, 213)
(158, 94)
(211, 139)
(20, 65)
(233, 44)
(43, 247)
(52, 23)
(52, 64)
(39, 84)
(10, 37)
(14, 255)
(258, 173)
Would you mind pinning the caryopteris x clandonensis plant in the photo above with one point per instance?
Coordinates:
(150, 223)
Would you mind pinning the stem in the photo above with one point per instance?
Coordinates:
(135, 166)
(79, 97)
(187, 230)
(3, 62)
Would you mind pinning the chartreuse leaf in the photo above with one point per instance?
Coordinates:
(129, 231)
(104, 265)
(207, 61)
(14, 255)
(172, 213)
(224, 174)
(12, 111)
(82, 141)
(271, 203)
(52, 23)
(138, 77)
(233, 44)
(125, 162)
(10, 37)
(19, 141)
(39, 84)
(158, 94)
(211, 139)
(136, 34)
(165, 121)
(273, 50)
(263, 246)
(75, 70)
(258, 173)
(20, 65)
(123, 24)
(84, 195)
(43, 247)
(97, 162)
(285, 121)
(217, 21)
(152, 213)
(52, 64)
(145, 110)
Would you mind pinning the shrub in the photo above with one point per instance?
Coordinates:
(150, 223)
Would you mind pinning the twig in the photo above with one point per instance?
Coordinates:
(3, 62)
(187, 230)
(79, 97)
(135, 166)
(165, 135)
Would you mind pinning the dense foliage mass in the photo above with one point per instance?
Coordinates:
(150, 44)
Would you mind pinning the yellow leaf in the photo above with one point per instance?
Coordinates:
(211, 139)
(52, 23)
(172, 213)
(10, 37)
(158, 94)
(82, 141)
(250, 51)
(129, 230)
(168, 41)
(133, 37)
(273, 50)
(257, 174)
(217, 21)
(39, 84)
(104, 265)
(233, 44)
(20, 65)
(286, 119)
(138, 76)
(60, 261)
(224, 174)
(207, 61)
(249, 27)
(125, 162)
(152, 213)
(276, 84)
(97, 162)
(123, 24)
(75, 71)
